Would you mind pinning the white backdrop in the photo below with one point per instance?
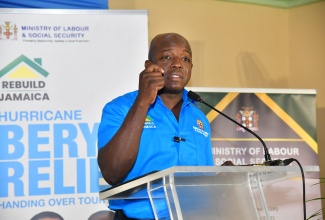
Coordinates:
(58, 68)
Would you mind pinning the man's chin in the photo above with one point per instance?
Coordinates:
(170, 91)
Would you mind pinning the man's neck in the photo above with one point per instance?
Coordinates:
(173, 102)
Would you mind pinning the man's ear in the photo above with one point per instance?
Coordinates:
(147, 63)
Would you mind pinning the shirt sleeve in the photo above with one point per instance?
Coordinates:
(112, 118)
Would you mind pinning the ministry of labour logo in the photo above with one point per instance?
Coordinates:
(23, 80)
(248, 118)
(200, 128)
(8, 31)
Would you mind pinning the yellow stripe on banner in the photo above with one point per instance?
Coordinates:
(287, 119)
(222, 105)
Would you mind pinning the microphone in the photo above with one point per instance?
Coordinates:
(267, 156)
(178, 139)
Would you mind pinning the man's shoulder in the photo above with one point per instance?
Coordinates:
(124, 101)
(196, 111)
(127, 97)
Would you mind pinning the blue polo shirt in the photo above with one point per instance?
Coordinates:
(158, 150)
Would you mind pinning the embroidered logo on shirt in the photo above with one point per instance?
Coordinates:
(200, 128)
(148, 123)
(200, 124)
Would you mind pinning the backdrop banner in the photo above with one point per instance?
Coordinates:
(285, 119)
(58, 68)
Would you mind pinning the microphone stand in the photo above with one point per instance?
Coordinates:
(268, 160)
(267, 155)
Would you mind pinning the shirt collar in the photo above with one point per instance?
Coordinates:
(186, 100)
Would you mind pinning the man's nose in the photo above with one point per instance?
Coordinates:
(177, 63)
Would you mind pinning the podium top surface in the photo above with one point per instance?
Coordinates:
(240, 172)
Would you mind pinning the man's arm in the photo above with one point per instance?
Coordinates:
(118, 156)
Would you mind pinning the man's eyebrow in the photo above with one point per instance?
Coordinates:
(188, 52)
(170, 49)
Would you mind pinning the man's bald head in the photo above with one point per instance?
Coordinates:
(167, 39)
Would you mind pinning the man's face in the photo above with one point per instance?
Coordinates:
(173, 54)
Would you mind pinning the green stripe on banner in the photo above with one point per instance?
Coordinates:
(221, 105)
(289, 120)
(301, 107)
(211, 99)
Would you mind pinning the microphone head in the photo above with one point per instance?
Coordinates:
(194, 96)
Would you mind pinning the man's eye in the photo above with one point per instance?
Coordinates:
(186, 59)
(166, 58)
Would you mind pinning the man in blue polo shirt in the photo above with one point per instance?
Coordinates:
(155, 127)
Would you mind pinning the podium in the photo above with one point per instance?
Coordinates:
(206, 193)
